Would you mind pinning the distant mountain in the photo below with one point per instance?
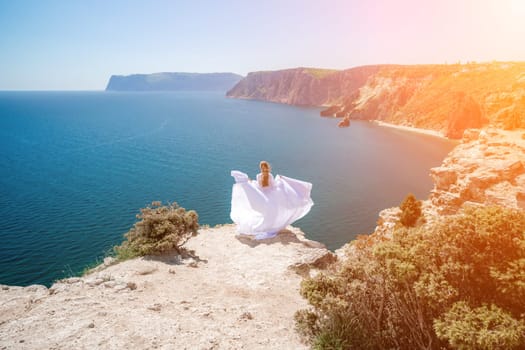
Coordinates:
(173, 82)
(445, 98)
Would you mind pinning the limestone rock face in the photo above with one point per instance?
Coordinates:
(487, 169)
(303, 86)
(235, 293)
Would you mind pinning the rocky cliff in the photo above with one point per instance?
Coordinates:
(173, 82)
(303, 86)
(487, 168)
(238, 294)
(445, 98)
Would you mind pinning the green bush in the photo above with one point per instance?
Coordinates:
(405, 292)
(410, 211)
(161, 229)
(482, 328)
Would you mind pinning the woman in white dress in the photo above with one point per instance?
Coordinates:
(264, 207)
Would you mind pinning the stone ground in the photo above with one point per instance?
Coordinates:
(238, 294)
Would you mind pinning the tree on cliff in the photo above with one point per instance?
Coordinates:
(456, 285)
(161, 229)
(410, 211)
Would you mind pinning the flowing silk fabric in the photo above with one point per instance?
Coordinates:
(258, 210)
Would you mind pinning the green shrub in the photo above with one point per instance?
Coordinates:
(410, 211)
(403, 292)
(161, 229)
(482, 328)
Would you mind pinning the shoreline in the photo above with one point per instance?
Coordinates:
(411, 128)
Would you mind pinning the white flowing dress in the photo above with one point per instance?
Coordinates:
(264, 211)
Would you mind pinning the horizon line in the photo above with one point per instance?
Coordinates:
(459, 62)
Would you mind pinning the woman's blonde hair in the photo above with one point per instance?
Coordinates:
(265, 178)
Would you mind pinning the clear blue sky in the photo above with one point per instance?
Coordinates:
(77, 45)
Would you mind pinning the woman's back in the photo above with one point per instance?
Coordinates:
(264, 178)
(263, 181)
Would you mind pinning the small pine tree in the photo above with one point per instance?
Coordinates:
(410, 211)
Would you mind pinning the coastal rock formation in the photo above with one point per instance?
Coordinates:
(487, 168)
(444, 98)
(303, 86)
(235, 293)
(344, 123)
(173, 82)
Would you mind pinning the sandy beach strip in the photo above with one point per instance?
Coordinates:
(410, 128)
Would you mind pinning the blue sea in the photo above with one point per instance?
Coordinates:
(76, 167)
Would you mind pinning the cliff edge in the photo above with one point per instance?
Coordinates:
(236, 293)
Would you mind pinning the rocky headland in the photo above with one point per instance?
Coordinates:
(173, 82)
(444, 98)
